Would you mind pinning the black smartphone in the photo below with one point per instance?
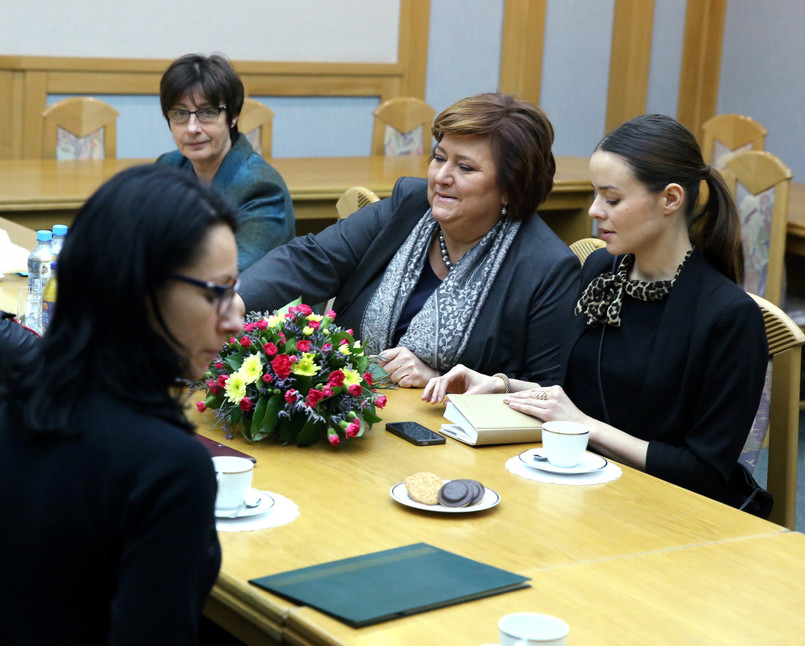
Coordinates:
(415, 433)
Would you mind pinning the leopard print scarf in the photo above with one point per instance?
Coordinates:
(602, 300)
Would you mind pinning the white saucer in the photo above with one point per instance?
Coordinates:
(266, 503)
(589, 462)
(400, 494)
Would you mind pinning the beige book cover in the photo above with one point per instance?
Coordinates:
(486, 419)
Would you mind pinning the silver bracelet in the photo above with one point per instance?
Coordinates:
(506, 382)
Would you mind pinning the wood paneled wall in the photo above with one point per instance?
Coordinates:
(26, 81)
(523, 41)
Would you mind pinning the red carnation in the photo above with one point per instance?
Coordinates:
(304, 345)
(315, 325)
(327, 347)
(270, 349)
(381, 400)
(262, 324)
(367, 376)
(353, 429)
(267, 378)
(282, 365)
(245, 404)
(222, 380)
(336, 378)
(355, 390)
(201, 406)
(304, 309)
(334, 439)
(245, 341)
(249, 327)
(291, 396)
(314, 397)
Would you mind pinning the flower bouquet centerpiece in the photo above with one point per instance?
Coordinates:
(293, 375)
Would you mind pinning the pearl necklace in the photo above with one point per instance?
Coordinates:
(443, 247)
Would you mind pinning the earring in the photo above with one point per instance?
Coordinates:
(504, 211)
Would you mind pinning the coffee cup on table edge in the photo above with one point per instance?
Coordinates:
(532, 629)
(234, 476)
(564, 443)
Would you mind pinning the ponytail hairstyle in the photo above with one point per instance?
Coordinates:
(660, 151)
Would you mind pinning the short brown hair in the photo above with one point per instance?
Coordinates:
(211, 76)
(520, 136)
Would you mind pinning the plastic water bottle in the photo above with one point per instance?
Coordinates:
(59, 231)
(38, 275)
(49, 297)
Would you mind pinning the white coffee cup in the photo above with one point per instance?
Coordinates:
(234, 476)
(532, 629)
(564, 442)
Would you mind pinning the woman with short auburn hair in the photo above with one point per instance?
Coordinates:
(455, 268)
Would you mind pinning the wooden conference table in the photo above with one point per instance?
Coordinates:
(41, 192)
(633, 561)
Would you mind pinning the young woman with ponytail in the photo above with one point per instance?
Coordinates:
(665, 356)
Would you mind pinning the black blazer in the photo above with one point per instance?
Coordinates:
(704, 379)
(519, 326)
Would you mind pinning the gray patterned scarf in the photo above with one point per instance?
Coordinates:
(439, 333)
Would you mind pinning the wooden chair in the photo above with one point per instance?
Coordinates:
(353, 199)
(255, 122)
(584, 247)
(402, 127)
(759, 182)
(79, 128)
(726, 134)
(785, 352)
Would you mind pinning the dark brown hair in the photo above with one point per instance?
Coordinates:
(212, 77)
(520, 136)
(660, 151)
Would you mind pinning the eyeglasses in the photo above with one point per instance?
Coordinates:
(204, 115)
(222, 295)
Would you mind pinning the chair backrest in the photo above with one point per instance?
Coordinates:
(353, 199)
(255, 122)
(759, 182)
(726, 134)
(402, 127)
(785, 340)
(584, 247)
(79, 128)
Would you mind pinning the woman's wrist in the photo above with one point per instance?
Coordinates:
(507, 387)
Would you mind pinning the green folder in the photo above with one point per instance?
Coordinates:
(372, 588)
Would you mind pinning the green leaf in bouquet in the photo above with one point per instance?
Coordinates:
(285, 308)
(270, 417)
(235, 361)
(289, 428)
(259, 412)
(214, 401)
(370, 417)
(310, 433)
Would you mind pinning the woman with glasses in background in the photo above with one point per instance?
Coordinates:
(201, 98)
(109, 495)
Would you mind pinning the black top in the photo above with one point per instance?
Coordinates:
(428, 282)
(702, 374)
(109, 534)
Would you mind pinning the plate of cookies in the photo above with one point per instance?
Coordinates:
(425, 490)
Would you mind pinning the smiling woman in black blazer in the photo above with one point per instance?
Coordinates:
(665, 356)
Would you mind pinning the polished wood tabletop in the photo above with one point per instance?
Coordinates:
(546, 531)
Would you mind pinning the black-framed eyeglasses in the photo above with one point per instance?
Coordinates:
(221, 295)
(204, 115)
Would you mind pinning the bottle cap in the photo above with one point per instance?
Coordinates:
(53, 264)
(59, 229)
(44, 235)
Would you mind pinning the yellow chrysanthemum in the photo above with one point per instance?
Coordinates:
(350, 377)
(235, 388)
(357, 345)
(344, 349)
(315, 317)
(252, 369)
(306, 366)
(307, 330)
(274, 321)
